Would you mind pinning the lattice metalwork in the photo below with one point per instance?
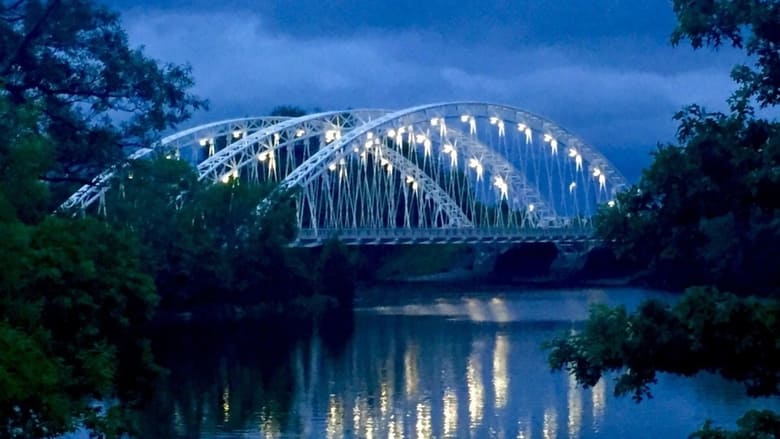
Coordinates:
(441, 172)
(273, 152)
(193, 145)
(505, 168)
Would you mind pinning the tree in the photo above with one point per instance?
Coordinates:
(96, 97)
(206, 243)
(74, 295)
(705, 212)
(706, 330)
(748, 24)
(288, 111)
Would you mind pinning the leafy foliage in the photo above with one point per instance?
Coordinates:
(73, 292)
(288, 111)
(95, 94)
(705, 212)
(73, 297)
(706, 331)
(755, 424)
(206, 244)
(748, 24)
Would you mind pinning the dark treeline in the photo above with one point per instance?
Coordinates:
(78, 293)
(212, 255)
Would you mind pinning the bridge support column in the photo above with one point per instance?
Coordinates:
(570, 259)
(485, 257)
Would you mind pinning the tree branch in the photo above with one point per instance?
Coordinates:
(30, 36)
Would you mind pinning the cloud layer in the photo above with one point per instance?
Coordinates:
(617, 93)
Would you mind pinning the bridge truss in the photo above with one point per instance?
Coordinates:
(451, 172)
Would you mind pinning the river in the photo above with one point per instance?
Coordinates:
(421, 361)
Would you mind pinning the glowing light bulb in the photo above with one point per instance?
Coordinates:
(572, 152)
(409, 179)
(493, 120)
(332, 166)
(236, 134)
(531, 207)
(391, 133)
(464, 118)
(477, 166)
(572, 186)
(434, 121)
(611, 203)
(204, 142)
(521, 127)
(332, 135)
(300, 132)
(502, 186)
(263, 156)
(596, 172)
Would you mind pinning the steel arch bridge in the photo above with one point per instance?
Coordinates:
(465, 172)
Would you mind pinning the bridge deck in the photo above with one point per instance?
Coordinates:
(409, 236)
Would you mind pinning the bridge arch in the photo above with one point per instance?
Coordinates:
(462, 168)
(191, 145)
(560, 179)
(310, 131)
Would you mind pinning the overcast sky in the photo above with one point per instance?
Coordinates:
(604, 69)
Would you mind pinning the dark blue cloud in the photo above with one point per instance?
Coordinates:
(602, 68)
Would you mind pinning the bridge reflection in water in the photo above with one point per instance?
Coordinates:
(424, 363)
(451, 369)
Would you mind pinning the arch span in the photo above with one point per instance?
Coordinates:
(468, 169)
(190, 144)
(513, 169)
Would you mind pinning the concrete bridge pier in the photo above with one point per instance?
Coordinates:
(531, 260)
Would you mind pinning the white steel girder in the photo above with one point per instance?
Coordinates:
(318, 163)
(410, 116)
(246, 150)
(189, 138)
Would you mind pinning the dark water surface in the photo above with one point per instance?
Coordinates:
(419, 362)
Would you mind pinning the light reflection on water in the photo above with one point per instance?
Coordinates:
(424, 365)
